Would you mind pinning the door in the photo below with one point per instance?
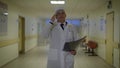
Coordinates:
(109, 37)
(21, 34)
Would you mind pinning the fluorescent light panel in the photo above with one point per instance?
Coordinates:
(5, 13)
(57, 2)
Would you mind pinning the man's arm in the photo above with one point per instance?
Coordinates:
(75, 38)
(47, 30)
(48, 27)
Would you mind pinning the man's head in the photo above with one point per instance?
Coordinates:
(60, 15)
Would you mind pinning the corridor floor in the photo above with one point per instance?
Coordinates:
(37, 58)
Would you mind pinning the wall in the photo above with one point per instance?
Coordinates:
(30, 33)
(41, 23)
(9, 42)
(96, 30)
(116, 4)
(9, 51)
(97, 33)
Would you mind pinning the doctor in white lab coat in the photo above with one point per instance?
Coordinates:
(58, 33)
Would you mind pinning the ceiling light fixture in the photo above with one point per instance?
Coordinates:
(5, 13)
(57, 2)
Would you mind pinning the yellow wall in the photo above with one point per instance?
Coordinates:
(116, 8)
(10, 51)
(30, 32)
(95, 32)
(9, 42)
(100, 36)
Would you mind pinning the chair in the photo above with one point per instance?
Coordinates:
(91, 46)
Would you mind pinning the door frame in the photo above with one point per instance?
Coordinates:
(21, 34)
(119, 48)
(112, 12)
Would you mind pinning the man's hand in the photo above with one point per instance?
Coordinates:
(73, 52)
(53, 18)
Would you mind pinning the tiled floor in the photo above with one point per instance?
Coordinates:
(37, 57)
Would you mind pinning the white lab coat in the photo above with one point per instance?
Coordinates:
(57, 58)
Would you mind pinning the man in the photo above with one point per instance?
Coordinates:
(59, 32)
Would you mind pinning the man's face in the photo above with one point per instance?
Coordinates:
(60, 15)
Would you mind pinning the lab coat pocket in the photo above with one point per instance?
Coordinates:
(53, 54)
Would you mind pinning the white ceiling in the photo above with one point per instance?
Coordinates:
(71, 6)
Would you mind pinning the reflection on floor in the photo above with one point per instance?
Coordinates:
(37, 58)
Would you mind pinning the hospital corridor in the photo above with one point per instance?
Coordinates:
(34, 33)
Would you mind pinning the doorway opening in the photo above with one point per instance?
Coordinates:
(21, 35)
